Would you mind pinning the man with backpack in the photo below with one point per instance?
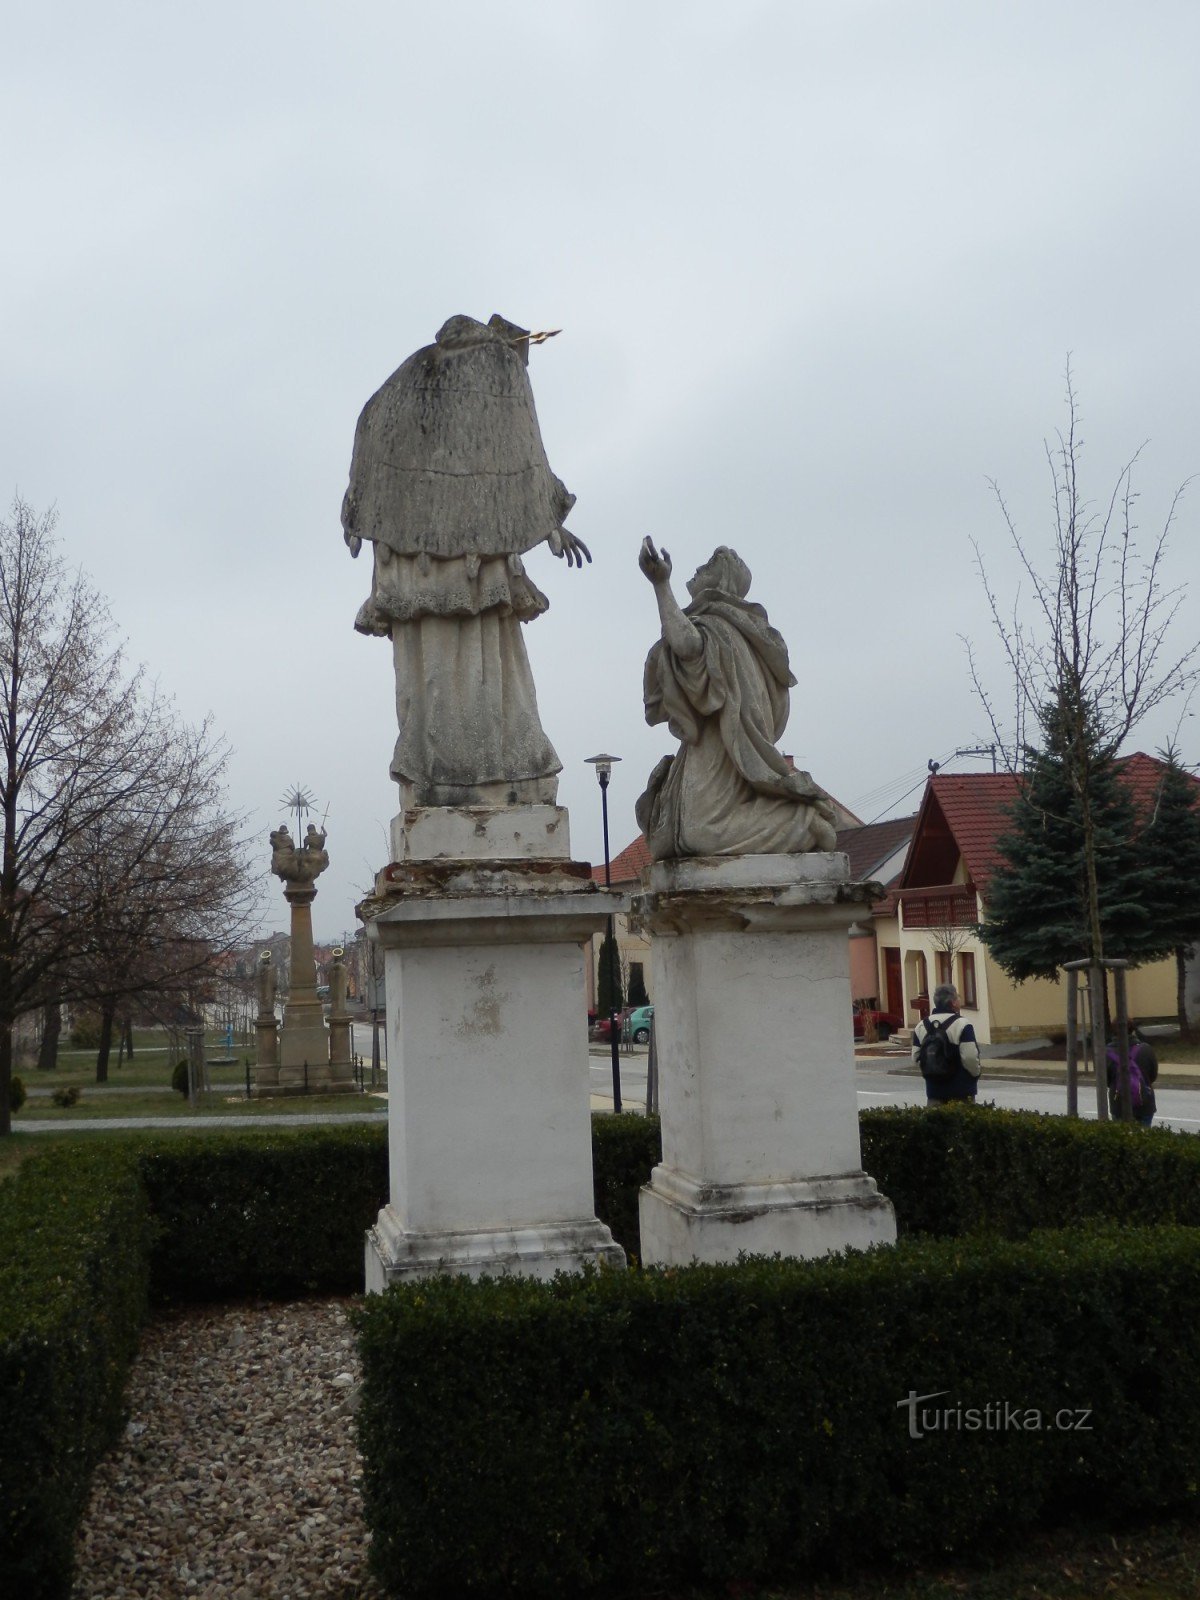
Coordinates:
(944, 1048)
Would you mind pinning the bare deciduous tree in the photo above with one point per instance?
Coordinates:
(172, 890)
(1088, 640)
(83, 745)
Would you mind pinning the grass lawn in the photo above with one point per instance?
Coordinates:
(152, 1062)
(95, 1104)
(1176, 1050)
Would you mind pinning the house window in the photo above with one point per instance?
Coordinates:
(966, 983)
(945, 966)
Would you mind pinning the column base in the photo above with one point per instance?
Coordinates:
(395, 1256)
(683, 1221)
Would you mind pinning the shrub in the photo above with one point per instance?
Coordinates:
(273, 1212)
(721, 1425)
(965, 1169)
(67, 1096)
(624, 1151)
(16, 1093)
(72, 1298)
(179, 1078)
(85, 1030)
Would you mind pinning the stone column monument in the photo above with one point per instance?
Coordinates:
(266, 1071)
(748, 907)
(481, 913)
(304, 1064)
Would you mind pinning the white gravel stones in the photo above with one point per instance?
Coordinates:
(237, 1477)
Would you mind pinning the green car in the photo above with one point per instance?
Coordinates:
(637, 1027)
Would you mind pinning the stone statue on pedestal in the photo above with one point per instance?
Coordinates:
(266, 1025)
(480, 912)
(304, 1056)
(450, 483)
(719, 678)
(298, 867)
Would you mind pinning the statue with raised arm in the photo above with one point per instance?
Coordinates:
(450, 484)
(719, 678)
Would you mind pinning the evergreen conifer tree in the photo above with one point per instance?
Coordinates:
(608, 977)
(1171, 850)
(1037, 903)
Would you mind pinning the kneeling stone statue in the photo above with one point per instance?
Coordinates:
(719, 678)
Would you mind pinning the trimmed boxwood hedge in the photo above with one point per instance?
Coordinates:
(721, 1425)
(966, 1169)
(73, 1290)
(267, 1212)
(93, 1228)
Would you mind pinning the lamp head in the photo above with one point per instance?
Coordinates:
(603, 765)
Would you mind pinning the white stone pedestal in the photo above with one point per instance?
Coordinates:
(489, 1121)
(756, 1061)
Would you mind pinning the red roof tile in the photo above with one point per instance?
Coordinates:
(628, 866)
(975, 809)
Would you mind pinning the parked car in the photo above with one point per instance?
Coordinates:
(632, 1021)
(637, 1026)
(601, 1027)
(886, 1023)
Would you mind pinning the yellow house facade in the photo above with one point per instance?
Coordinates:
(925, 928)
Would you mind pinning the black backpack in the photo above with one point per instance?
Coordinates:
(938, 1055)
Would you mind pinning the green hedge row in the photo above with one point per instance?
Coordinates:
(965, 1169)
(73, 1291)
(285, 1213)
(271, 1212)
(734, 1425)
(92, 1230)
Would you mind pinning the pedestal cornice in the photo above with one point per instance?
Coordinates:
(768, 893)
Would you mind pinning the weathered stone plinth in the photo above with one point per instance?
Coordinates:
(304, 1064)
(756, 1061)
(489, 1124)
(266, 1071)
(481, 833)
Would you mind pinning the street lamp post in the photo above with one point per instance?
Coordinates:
(604, 765)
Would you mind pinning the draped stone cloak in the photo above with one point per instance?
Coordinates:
(450, 483)
(729, 791)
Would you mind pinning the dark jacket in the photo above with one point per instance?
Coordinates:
(965, 1082)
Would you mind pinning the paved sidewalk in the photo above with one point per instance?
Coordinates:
(268, 1119)
(1171, 1074)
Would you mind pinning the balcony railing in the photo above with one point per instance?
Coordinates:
(939, 908)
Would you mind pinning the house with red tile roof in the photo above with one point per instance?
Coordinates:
(925, 927)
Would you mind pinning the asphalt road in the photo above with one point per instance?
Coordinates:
(1177, 1108)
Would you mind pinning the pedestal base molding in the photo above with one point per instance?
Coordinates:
(684, 1221)
(394, 1254)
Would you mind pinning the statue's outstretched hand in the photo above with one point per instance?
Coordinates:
(655, 564)
(564, 543)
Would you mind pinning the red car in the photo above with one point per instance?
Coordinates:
(886, 1023)
(601, 1027)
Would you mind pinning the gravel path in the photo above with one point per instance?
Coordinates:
(237, 1475)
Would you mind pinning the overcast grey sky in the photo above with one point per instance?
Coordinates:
(818, 267)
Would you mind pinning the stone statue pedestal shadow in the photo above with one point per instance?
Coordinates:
(752, 1020)
(489, 1124)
